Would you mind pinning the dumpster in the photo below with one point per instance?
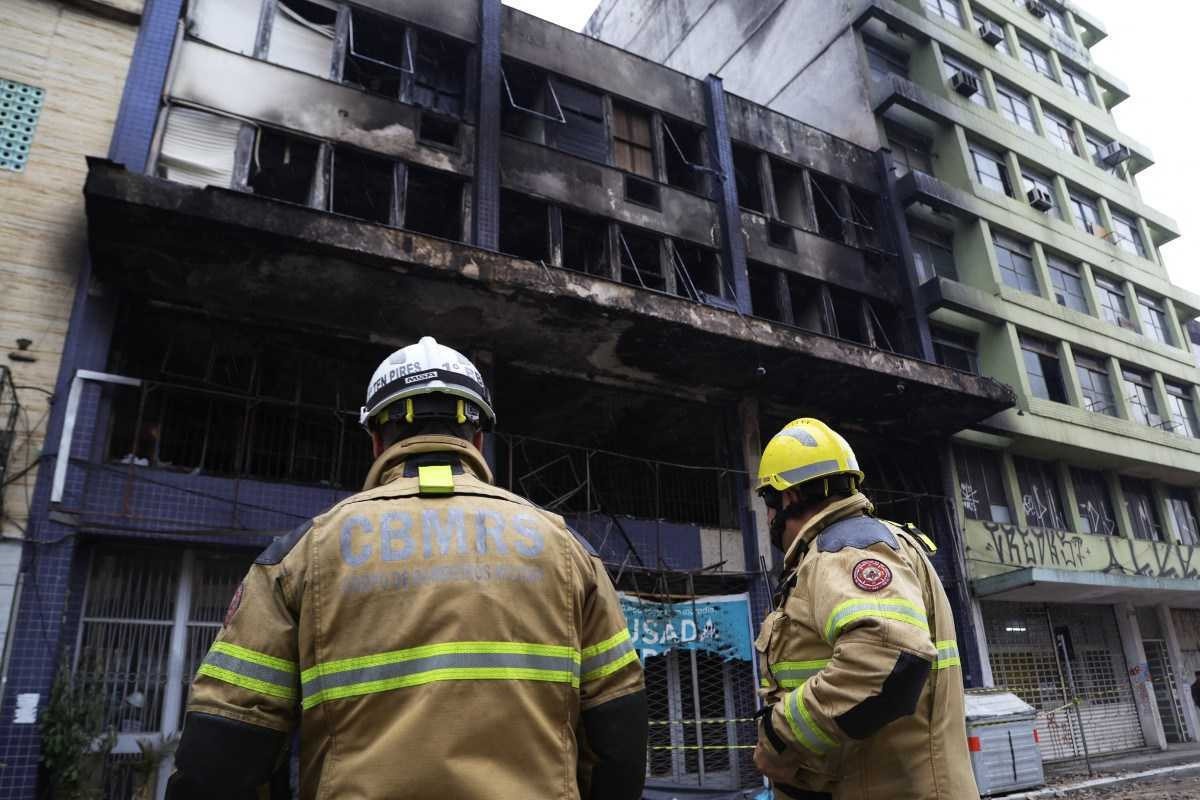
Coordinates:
(1002, 738)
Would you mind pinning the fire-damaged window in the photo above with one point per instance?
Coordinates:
(302, 36)
(364, 186)
(524, 226)
(198, 148)
(683, 151)
(864, 219)
(582, 132)
(440, 76)
(433, 203)
(767, 287)
(378, 53)
(809, 309)
(848, 315)
(749, 182)
(227, 399)
(697, 272)
(641, 259)
(585, 243)
(283, 166)
(633, 145)
(791, 200)
(827, 203)
(529, 103)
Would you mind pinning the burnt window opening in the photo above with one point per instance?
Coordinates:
(644, 193)
(364, 186)
(283, 166)
(582, 133)
(585, 243)
(641, 260)
(790, 198)
(439, 130)
(302, 36)
(781, 235)
(529, 103)
(378, 54)
(766, 300)
(885, 326)
(683, 155)
(524, 226)
(864, 218)
(433, 203)
(749, 183)
(440, 73)
(633, 144)
(808, 304)
(848, 318)
(697, 272)
(826, 192)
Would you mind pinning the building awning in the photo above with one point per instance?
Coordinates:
(255, 258)
(1045, 585)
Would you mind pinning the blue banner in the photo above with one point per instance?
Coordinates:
(719, 624)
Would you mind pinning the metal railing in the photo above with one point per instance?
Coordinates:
(10, 410)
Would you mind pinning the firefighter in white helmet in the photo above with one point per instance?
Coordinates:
(435, 635)
(862, 684)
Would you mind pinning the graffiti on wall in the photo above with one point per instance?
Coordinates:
(996, 548)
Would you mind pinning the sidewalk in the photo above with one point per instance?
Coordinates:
(1063, 780)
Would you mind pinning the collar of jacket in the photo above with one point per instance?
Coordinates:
(855, 505)
(390, 464)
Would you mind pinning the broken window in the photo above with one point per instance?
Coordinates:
(683, 151)
(641, 260)
(440, 73)
(198, 148)
(749, 185)
(585, 243)
(283, 166)
(633, 146)
(809, 310)
(956, 348)
(826, 200)
(848, 315)
(363, 186)
(781, 235)
(438, 130)
(230, 24)
(864, 218)
(529, 102)
(642, 192)
(524, 226)
(766, 291)
(582, 132)
(790, 198)
(697, 272)
(377, 54)
(885, 326)
(433, 203)
(302, 36)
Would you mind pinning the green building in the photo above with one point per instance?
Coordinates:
(1037, 262)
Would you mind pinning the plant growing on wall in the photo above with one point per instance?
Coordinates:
(75, 740)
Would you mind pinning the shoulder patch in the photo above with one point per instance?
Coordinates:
(277, 551)
(858, 533)
(591, 551)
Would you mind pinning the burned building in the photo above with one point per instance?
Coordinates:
(655, 276)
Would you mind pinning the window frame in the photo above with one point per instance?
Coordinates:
(1108, 289)
(954, 340)
(987, 180)
(1009, 98)
(1091, 486)
(1143, 405)
(976, 462)
(1129, 238)
(1060, 267)
(1034, 474)
(1034, 57)
(939, 7)
(1017, 252)
(1182, 409)
(618, 138)
(1077, 83)
(1043, 369)
(1096, 373)
(1156, 532)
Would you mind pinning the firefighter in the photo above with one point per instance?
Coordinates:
(433, 636)
(862, 687)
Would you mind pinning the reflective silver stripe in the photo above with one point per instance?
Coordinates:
(801, 474)
(249, 669)
(400, 669)
(800, 435)
(793, 677)
(895, 609)
(596, 662)
(803, 726)
(947, 655)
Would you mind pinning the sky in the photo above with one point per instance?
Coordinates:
(1145, 48)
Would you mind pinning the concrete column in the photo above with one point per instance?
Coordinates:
(1070, 501)
(1143, 230)
(1106, 218)
(1089, 284)
(485, 362)
(734, 246)
(1041, 268)
(1131, 300)
(1158, 495)
(1175, 327)
(985, 662)
(1035, 103)
(1118, 385)
(755, 528)
(485, 205)
(1055, 66)
(1124, 523)
(1070, 375)
(1161, 399)
(1183, 681)
(1062, 199)
(1143, 690)
(1012, 489)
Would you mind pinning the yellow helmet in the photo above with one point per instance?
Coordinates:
(805, 450)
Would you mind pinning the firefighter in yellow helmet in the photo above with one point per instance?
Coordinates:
(862, 688)
(431, 637)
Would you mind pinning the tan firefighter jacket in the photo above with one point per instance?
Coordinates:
(861, 665)
(438, 636)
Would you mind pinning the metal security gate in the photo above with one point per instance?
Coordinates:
(702, 731)
(1039, 652)
(1162, 675)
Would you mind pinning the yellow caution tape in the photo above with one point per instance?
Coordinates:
(700, 721)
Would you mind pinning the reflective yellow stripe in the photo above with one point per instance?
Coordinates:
(253, 656)
(253, 684)
(433, 676)
(895, 608)
(610, 668)
(802, 725)
(608, 644)
(793, 674)
(947, 655)
(425, 651)
(606, 657)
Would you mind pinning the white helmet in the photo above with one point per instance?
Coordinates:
(429, 370)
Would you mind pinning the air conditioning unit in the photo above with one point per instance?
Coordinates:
(1040, 199)
(1036, 7)
(1114, 153)
(965, 83)
(991, 32)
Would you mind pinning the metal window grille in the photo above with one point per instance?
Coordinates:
(1166, 696)
(1041, 653)
(10, 410)
(20, 108)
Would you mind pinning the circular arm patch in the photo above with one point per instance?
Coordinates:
(871, 575)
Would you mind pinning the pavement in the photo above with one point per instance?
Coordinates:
(1171, 774)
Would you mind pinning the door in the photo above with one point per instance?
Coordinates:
(1162, 676)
